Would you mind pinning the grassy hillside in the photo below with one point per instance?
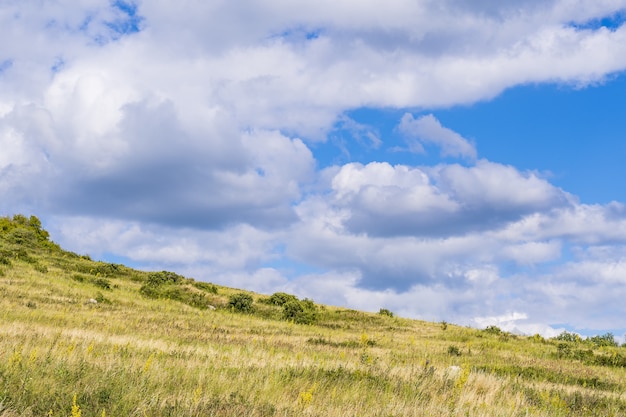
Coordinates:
(85, 338)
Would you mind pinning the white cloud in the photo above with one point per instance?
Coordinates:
(530, 253)
(447, 199)
(185, 145)
(427, 129)
(208, 254)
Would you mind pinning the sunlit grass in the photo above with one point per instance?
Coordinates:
(62, 354)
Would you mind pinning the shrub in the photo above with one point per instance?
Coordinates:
(385, 312)
(606, 339)
(102, 283)
(301, 312)
(78, 277)
(241, 302)
(454, 351)
(164, 277)
(206, 286)
(493, 330)
(281, 298)
(563, 350)
(5, 258)
(568, 337)
(102, 299)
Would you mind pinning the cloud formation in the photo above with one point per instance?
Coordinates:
(186, 137)
(427, 129)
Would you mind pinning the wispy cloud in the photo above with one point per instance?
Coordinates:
(428, 130)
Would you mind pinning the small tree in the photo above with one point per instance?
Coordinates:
(493, 330)
(606, 339)
(281, 298)
(301, 312)
(241, 302)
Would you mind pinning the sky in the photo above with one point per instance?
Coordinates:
(444, 159)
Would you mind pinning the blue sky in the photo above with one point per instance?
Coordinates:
(447, 160)
(576, 136)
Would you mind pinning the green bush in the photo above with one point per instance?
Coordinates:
(385, 312)
(102, 283)
(163, 278)
(205, 286)
(102, 299)
(454, 351)
(5, 257)
(493, 330)
(281, 298)
(241, 302)
(301, 312)
(606, 339)
(78, 277)
(568, 337)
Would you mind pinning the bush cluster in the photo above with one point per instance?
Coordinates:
(300, 311)
(605, 340)
(293, 309)
(281, 298)
(241, 302)
(168, 285)
(25, 231)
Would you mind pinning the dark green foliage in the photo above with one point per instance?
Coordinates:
(301, 312)
(22, 237)
(568, 350)
(26, 232)
(385, 312)
(163, 278)
(101, 269)
(206, 286)
(493, 330)
(563, 350)
(568, 337)
(241, 302)
(171, 286)
(40, 268)
(536, 373)
(79, 277)
(5, 257)
(606, 339)
(281, 298)
(615, 359)
(102, 299)
(454, 351)
(577, 403)
(102, 283)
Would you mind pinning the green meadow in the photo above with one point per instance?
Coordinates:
(86, 338)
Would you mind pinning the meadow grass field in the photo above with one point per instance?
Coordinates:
(86, 338)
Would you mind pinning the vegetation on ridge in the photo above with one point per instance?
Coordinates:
(80, 337)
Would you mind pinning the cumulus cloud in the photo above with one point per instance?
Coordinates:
(427, 129)
(206, 252)
(442, 200)
(181, 138)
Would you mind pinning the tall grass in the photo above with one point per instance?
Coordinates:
(62, 354)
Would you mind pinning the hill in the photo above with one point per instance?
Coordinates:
(86, 338)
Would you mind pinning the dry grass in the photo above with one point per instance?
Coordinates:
(133, 356)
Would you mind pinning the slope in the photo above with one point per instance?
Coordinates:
(86, 338)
